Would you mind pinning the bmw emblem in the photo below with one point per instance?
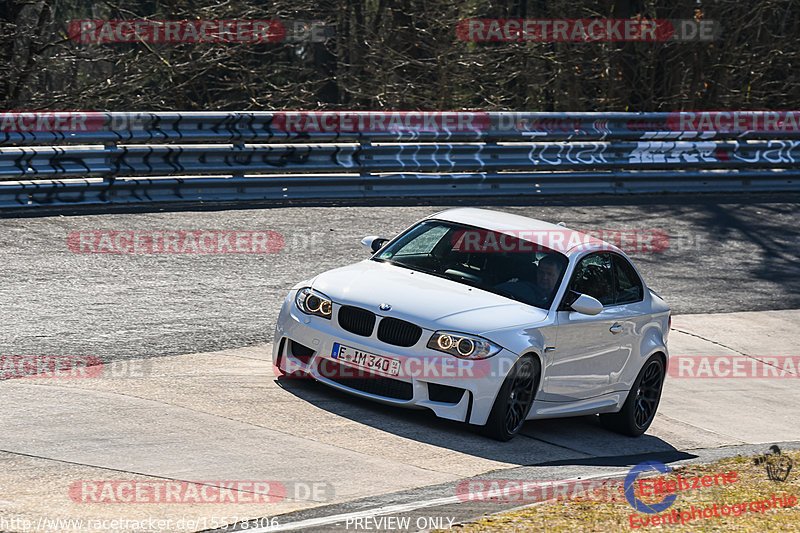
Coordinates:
(384, 307)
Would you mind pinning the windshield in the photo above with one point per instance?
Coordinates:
(492, 261)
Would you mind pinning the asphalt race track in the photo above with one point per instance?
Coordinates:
(206, 404)
(725, 254)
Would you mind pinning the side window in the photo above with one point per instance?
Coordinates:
(629, 286)
(594, 276)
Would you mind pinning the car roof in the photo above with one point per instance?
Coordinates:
(567, 241)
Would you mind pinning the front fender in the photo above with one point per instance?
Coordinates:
(521, 340)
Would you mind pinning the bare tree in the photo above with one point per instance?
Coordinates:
(401, 54)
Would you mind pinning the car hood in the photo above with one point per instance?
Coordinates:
(428, 301)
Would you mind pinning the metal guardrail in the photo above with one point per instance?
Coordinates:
(86, 157)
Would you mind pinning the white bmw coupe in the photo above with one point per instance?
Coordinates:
(487, 318)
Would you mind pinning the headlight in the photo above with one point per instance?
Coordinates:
(312, 302)
(461, 345)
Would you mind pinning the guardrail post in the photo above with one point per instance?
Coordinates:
(364, 171)
(238, 145)
(111, 177)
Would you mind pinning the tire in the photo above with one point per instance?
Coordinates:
(514, 400)
(640, 406)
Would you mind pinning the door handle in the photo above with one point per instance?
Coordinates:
(616, 328)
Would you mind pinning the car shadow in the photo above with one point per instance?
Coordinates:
(726, 239)
(574, 440)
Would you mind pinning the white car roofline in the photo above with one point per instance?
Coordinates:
(508, 223)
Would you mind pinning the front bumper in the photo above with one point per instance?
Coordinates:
(452, 388)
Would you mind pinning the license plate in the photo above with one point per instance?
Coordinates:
(370, 361)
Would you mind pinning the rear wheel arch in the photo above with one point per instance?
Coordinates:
(660, 353)
(642, 400)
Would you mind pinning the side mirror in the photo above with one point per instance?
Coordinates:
(373, 242)
(586, 305)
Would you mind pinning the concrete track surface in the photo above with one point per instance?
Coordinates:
(725, 254)
(226, 416)
(188, 391)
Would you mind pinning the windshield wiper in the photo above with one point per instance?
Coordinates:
(397, 263)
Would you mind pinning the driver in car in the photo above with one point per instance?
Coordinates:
(547, 274)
